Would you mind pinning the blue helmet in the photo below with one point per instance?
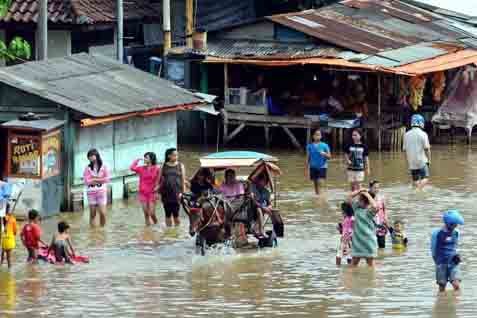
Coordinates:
(453, 217)
(417, 121)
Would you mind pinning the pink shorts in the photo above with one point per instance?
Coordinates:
(98, 198)
(147, 198)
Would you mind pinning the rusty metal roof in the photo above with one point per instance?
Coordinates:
(263, 50)
(79, 11)
(372, 26)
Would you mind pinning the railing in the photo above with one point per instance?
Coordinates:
(244, 101)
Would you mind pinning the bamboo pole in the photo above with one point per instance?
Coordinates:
(119, 31)
(189, 22)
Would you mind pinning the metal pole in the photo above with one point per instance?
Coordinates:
(119, 31)
(166, 18)
(42, 28)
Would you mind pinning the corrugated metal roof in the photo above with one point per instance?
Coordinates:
(79, 11)
(236, 49)
(40, 124)
(372, 26)
(95, 85)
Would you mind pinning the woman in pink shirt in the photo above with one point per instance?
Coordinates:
(231, 187)
(149, 180)
(96, 176)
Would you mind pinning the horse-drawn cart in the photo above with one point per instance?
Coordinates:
(217, 217)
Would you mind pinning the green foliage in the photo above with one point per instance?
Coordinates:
(18, 48)
(4, 6)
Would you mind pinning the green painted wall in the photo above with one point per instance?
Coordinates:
(121, 142)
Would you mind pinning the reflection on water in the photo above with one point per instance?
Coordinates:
(148, 272)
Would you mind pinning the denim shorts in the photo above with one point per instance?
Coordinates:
(447, 273)
(419, 174)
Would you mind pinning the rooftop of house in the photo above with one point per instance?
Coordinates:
(79, 11)
(108, 87)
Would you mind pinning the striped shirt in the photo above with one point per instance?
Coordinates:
(364, 232)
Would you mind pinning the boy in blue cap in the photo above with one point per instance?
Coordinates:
(444, 250)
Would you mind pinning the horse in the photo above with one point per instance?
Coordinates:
(212, 219)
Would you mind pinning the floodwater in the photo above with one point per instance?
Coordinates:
(154, 272)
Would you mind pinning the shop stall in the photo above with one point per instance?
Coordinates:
(34, 164)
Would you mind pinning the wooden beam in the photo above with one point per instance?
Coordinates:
(292, 138)
(267, 136)
(234, 133)
(304, 122)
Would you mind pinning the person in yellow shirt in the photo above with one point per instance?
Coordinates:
(8, 237)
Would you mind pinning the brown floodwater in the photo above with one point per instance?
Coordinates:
(154, 272)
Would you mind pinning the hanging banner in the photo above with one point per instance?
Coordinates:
(51, 154)
(25, 156)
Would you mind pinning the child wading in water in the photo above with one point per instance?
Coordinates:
(356, 156)
(346, 230)
(149, 180)
(31, 235)
(317, 156)
(364, 243)
(444, 251)
(60, 244)
(382, 216)
(8, 237)
(398, 235)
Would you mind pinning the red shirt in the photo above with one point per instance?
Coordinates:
(31, 234)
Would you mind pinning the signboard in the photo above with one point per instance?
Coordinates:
(25, 156)
(51, 154)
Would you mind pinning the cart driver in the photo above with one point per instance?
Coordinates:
(262, 197)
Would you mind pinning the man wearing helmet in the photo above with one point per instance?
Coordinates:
(418, 151)
(444, 251)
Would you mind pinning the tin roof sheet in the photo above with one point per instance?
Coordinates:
(40, 124)
(372, 26)
(236, 49)
(107, 87)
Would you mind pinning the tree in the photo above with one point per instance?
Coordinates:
(18, 49)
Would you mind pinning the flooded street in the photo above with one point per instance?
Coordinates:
(154, 272)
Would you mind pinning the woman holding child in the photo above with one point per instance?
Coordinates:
(364, 244)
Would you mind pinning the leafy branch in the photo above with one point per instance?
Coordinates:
(18, 48)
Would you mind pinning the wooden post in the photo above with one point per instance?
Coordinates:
(225, 119)
(267, 136)
(119, 31)
(379, 113)
(189, 7)
(234, 133)
(226, 85)
(42, 30)
(166, 25)
(292, 138)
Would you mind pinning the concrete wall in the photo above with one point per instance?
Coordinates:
(121, 142)
(59, 43)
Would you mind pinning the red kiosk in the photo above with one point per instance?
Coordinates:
(34, 165)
